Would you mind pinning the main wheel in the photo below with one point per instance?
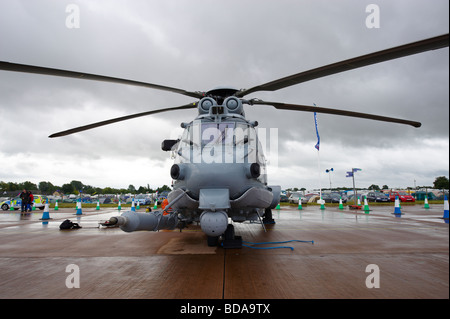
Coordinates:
(268, 218)
(213, 241)
(229, 233)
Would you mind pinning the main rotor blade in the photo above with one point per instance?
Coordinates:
(306, 108)
(350, 64)
(119, 119)
(7, 66)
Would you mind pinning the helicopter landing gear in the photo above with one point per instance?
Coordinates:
(212, 241)
(268, 219)
(230, 240)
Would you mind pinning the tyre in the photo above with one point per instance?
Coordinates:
(229, 233)
(213, 241)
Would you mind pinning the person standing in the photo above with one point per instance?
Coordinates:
(30, 201)
(164, 204)
(24, 196)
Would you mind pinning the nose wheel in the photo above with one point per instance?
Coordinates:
(213, 241)
(229, 239)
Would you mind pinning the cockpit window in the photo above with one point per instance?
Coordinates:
(226, 142)
(217, 133)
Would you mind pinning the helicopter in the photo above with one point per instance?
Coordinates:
(219, 171)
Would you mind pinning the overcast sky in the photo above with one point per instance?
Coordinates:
(200, 44)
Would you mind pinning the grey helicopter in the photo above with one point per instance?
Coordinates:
(219, 171)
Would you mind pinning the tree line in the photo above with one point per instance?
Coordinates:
(76, 187)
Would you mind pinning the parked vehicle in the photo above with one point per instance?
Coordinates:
(143, 199)
(293, 199)
(283, 198)
(16, 202)
(162, 196)
(402, 196)
(377, 197)
(332, 198)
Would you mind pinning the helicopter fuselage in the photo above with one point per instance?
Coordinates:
(220, 168)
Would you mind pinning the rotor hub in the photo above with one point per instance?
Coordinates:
(220, 93)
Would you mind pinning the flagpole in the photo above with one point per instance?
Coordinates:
(320, 183)
(318, 157)
(352, 175)
(354, 188)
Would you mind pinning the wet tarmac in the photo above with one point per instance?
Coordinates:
(355, 255)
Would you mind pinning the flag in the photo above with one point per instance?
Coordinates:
(354, 170)
(317, 131)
